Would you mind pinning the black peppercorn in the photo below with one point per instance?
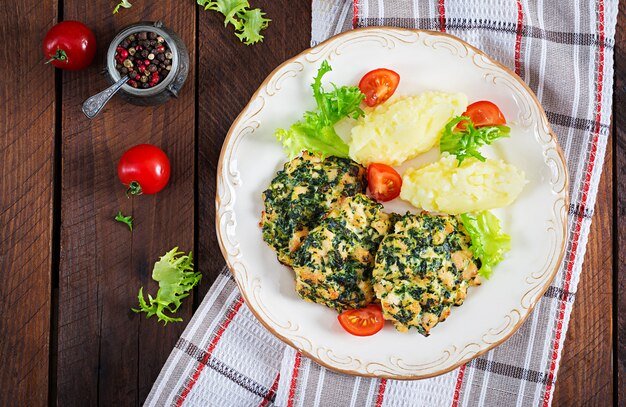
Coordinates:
(142, 35)
(152, 35)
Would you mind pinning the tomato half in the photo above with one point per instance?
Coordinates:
(384, 182)
(378, 85)
(363, 321)
(484, 113)
(70, 45)
(144, 169)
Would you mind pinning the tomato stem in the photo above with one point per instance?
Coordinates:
(60, 55)
(133, 189)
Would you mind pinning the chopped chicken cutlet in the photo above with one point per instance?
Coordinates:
(333, 266)
(423, 267)
(301, 194)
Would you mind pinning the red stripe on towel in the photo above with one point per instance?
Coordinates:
(457, 388)
(442, 16)
(294, 380)
(518, 36)
(381, 392)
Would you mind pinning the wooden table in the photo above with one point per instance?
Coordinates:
(69, 273)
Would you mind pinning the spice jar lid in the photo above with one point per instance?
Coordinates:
(173, 42)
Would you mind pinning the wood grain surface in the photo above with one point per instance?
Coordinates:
(619, 130)
(69, 273)
(230, 74)
(109, 353)
(26, 197)
(585, 375)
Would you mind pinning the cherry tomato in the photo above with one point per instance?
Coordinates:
(70, 45)
(484, 113)
(384, 182)
(363, 321)
(378, 85)
(144, 169)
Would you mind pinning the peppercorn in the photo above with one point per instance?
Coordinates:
(145, 58)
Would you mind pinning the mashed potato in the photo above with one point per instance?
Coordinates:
(402, 129)
(472, 186)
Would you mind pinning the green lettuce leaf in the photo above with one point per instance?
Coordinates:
(248, 23)
(464, 143)
(489, 243)
(123, 3)
(315, 132)
(175, 275)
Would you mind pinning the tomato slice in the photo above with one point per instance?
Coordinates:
(484, 113)
(363, 321)
(384, 182)
(378, 85)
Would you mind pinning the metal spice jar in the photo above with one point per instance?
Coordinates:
(155, 59)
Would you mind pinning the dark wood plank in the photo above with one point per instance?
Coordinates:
(107, 354)
(27, 133)
(619, 116)
(230, 73)
(585, 375)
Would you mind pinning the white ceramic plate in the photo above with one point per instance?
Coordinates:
(425, 60)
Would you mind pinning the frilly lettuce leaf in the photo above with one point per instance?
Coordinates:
(248, 23)
(315, 132)
(175, 275)
(489, 243)
(464, 143)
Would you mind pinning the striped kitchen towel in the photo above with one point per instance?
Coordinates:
(564, 51)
